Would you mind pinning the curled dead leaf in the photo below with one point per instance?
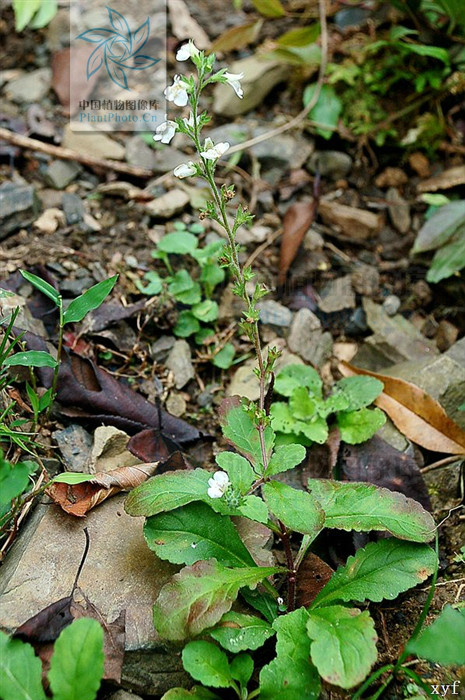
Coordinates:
(415, 413)
(297, 220)
(78, 499)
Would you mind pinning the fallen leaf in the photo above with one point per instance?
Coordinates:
(82, 86)
(237, 37)
(78, 499)
(415, 413)
(110, 312)
(257, 538)
(184, 26)
(151, 445)
(297, 220)
(447, 179)
(48, 623)
(313, 575)
(357, 224)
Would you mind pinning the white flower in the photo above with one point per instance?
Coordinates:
(189, 121)
(218, 485)
(212, 152)
(233, 79)
(165, 131)
(177, 92)
(185, 170)
(187, 51)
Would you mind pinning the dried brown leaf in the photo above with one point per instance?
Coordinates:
(415, 413)
(297, 220)
(237, 37)
(78, 499)
(312, 576)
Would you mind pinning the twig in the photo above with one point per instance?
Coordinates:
(263, 246)
(442, 463)
(306, 110)
(67, 154)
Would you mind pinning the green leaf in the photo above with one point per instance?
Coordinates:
(254, 508)
(186, 325)
(20, 671)
(282, 418)
(242, 668)
(224, 358)
(443, 642)
(72, 478)
(365, 507)
(14, 479)
(326, 111)
(293, 376)
(154, 285)
(207, 664)
(238, 468)
(195, 532)
(211, 276)
(344, 646)
(361, 425)
(448, 260)
(269, 8)
(238, 632)
(298, 510)
(164, 492)
(290, 675)
(30, 358)
(90, 300)
(430, 51)
(179, 243)
(76, 667)
(206, 310)
(45, 14)
(203, 334)
(302, 36)
(243, 434)
(24, 12)
(261, 601)
(184, 289)
(380, 571)
(440, 227)
(42, 286)
(360, 391)
(301, 405)
(285, 457)
(198, 596)
(196, 693)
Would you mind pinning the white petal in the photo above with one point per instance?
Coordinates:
(185, 170)
(184, 53)
(221, 478)
(214, 491)
(165, 132)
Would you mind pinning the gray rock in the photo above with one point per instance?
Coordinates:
(169, 204)
(120, 574)
(365, 279)
(180, 363)
(139, 153)
(73, 208)
(75, 287)
(395, 337)
(161, 347)
(124, 695)
(260, 76)
(19, 207)
(307, 339)
(333, 164)
(61, 172)
(282, 151)
(74, 443)
(166, 158)
(399, 210)
(391, 304)
(232, 132)
(31, 87)
(176, 404)
(93, 143)
(273, 313)
(337, 295)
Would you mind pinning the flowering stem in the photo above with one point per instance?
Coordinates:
(291, 579)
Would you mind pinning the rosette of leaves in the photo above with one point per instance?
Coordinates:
(306, 416)
(193, 294)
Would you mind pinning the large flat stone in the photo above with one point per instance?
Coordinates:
(120, 573)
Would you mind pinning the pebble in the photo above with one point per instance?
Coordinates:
(168, 205)
(73, 208)
(31, 87)
(337, 295)
(179, 361)
(93, 143)
(49, 221)
(446, 335)
(307, 339)
(391, 177)
(365, 280)
(139, 153)
(176, 405)
(60, 173)
(391, 304)
(330, 164)
(75, 444)
(420, 164)
(274, 314)
(399, 210)
(19, 207)
(161, 347)
(283, 150)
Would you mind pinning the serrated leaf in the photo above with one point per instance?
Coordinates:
(198, 596)
(179, 243)
(242, 668)
(30, 358)
(315, 430)
(269, 8)
(301, 405)
(184, 289)
(443, 642)
(361, 425)
(254, 508)
(294, 508)
(186, 324)
(326, 111)
(90, 300)
(42, 286)
(20, 671)
(360, 391)
(76, 667)
(154, 285)
(344, 646)
(290, 675)
(238, 632)
(165, 492)
(206, 310)
(211, 275)
(207, 664)
(238, 469)
(285, 457)
(195, 532)
(243, 434)
(364, 507)
(380, 571)
(293, 376)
